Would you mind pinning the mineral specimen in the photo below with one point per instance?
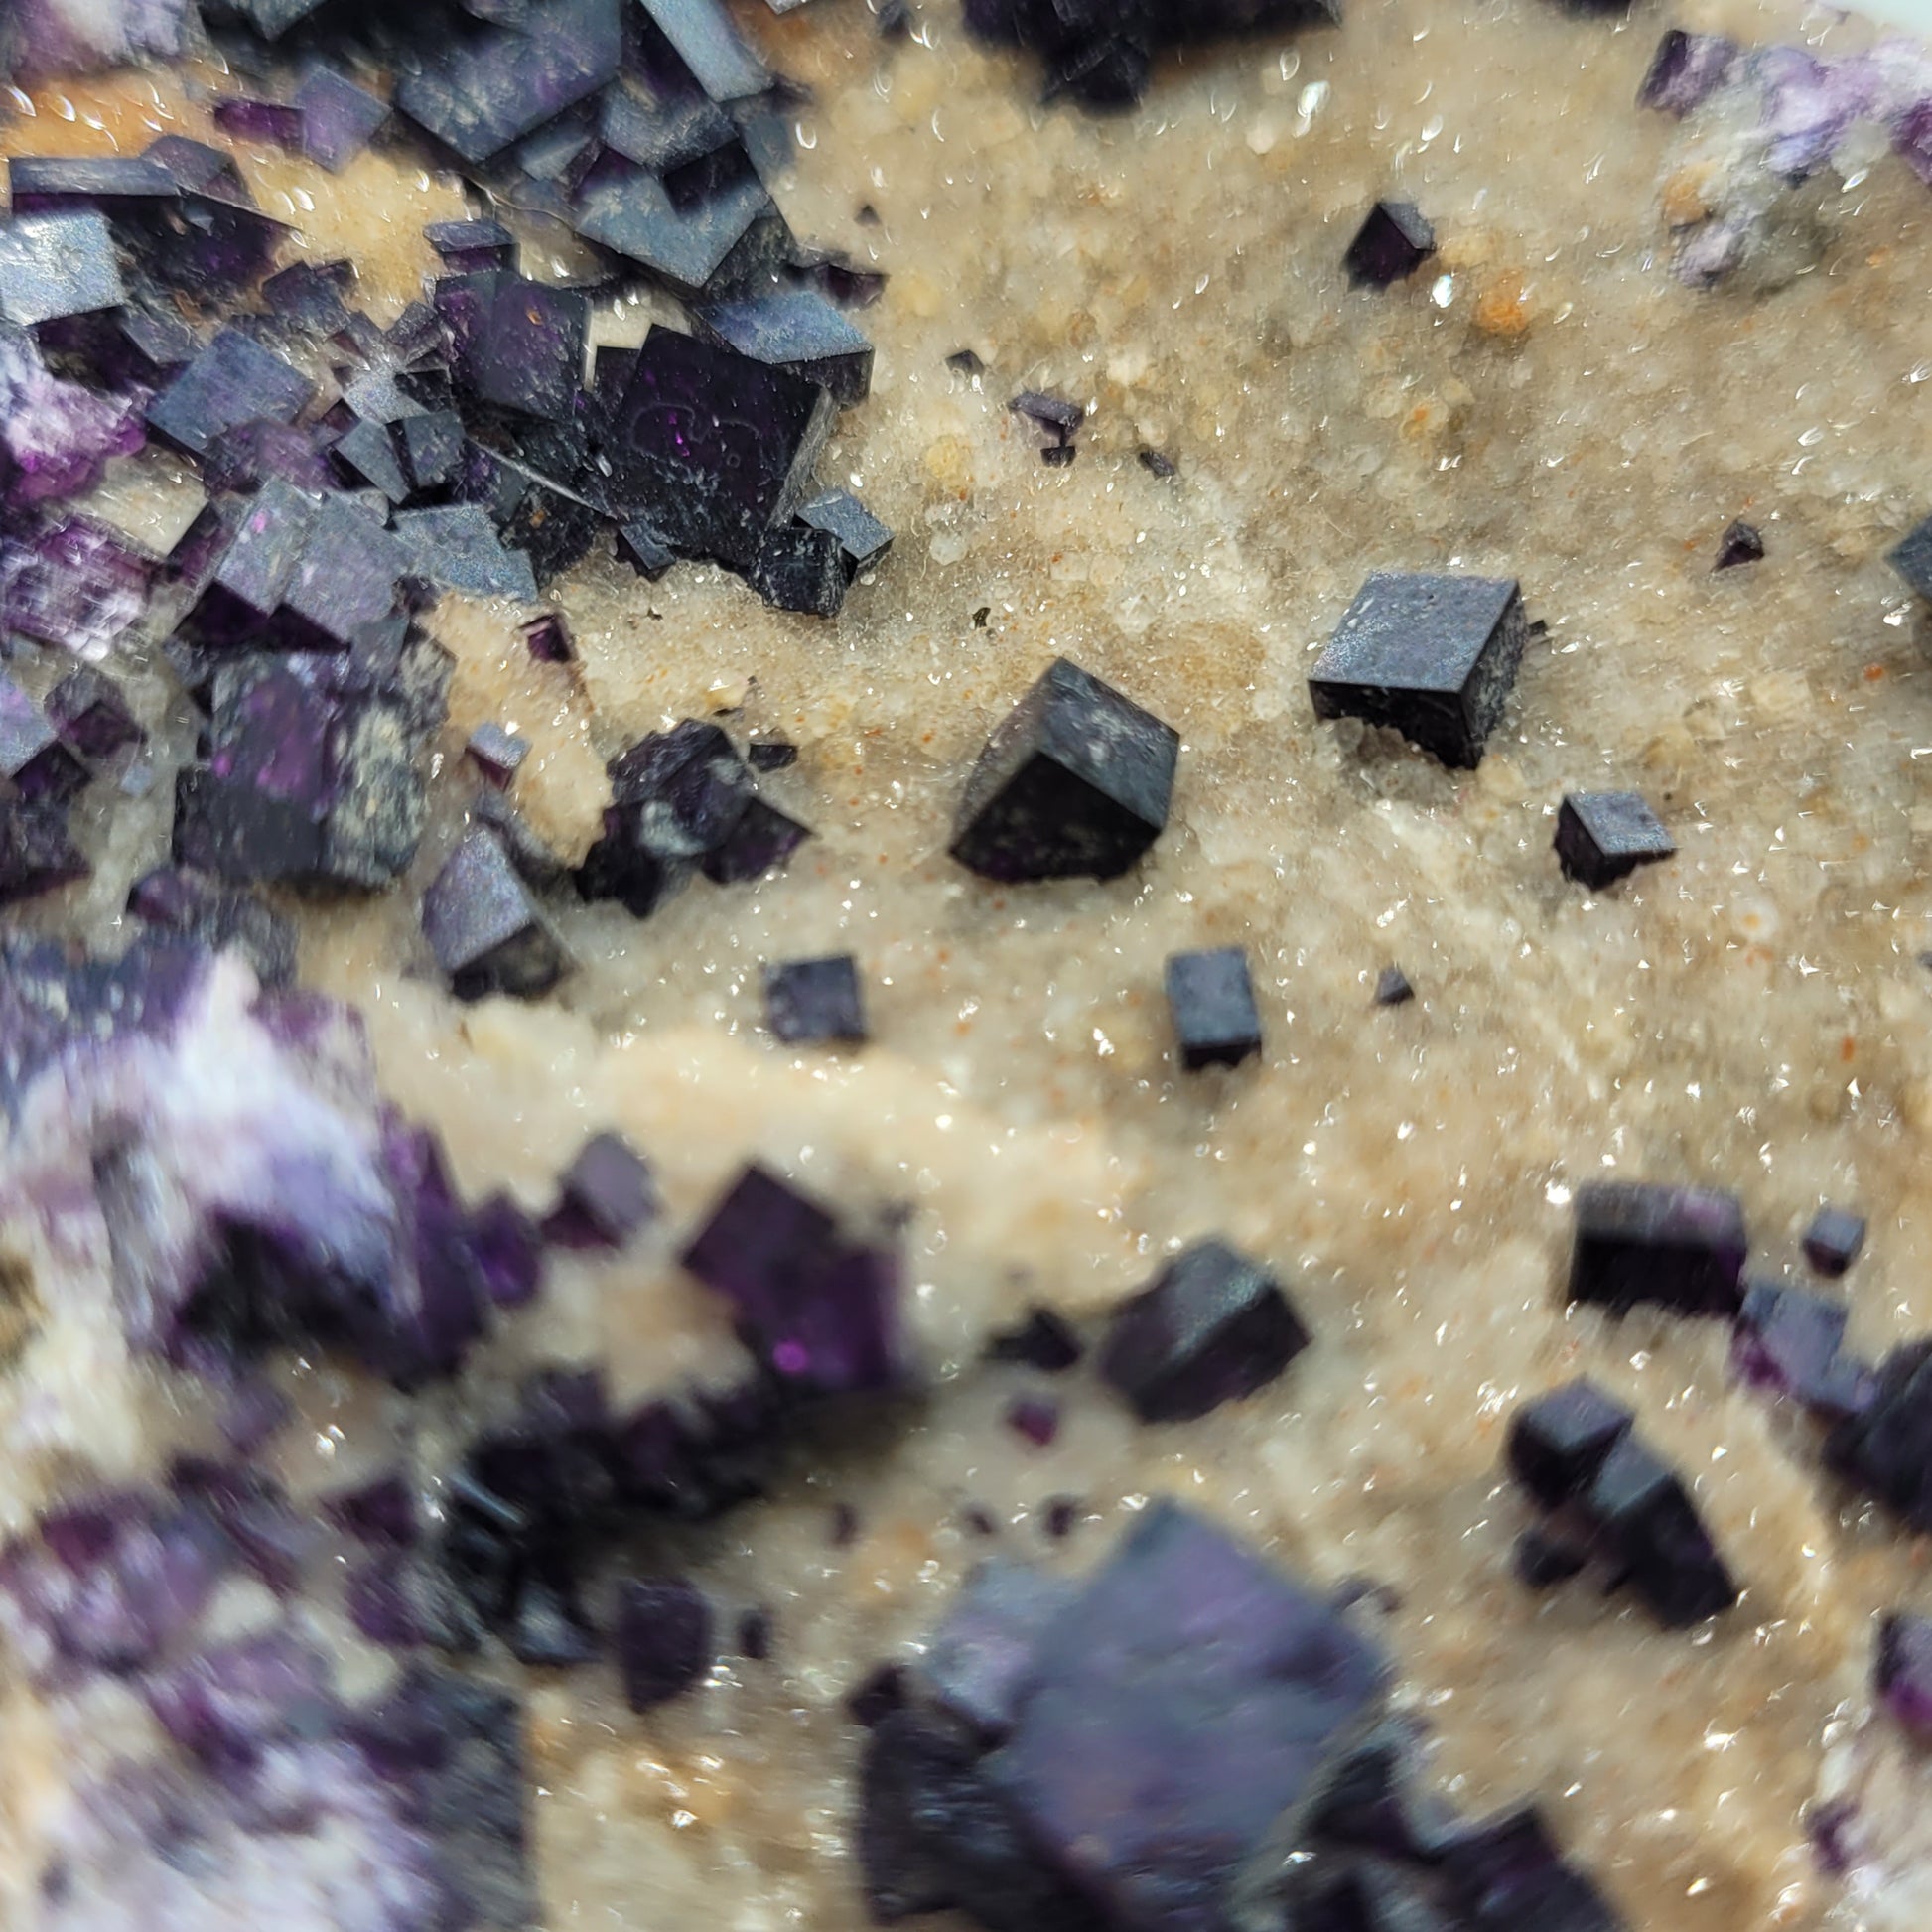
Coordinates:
(809, 1001)
(1394, 240)
(1681, 1248)
(1602, 835)
(1212, 1000)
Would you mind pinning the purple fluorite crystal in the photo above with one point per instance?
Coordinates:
(57, 437)
(1681, 1248)
(603, 1196)
(1557, 1442)
(1686, 70)
(1901, 1675)
(1792, 1343)
(819, 1310)
(662, 1638)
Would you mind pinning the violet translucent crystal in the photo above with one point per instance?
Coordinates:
(1681, 1248)
(1686, 70)
(819, 1310)
(1432, 656)
(339, 118)
(233, 380)
(1886, 1447)
(980, 1660)
(35, 763)
(1740, 544)
(1214, 1327)
(1833, 1240)
(1075, 783)
(604, 1197)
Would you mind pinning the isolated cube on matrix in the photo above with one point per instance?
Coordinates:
(1912, 557)
(801, 569)
(1557, 1442)
(603, 1196)
(1604, 835)
(1214, 1327)
(483, 927)
(812, 1001)
(498, 753)
(1833, 1240)
(1076, 783)
(1645, 1517)
(1432, 656)
(1680, 1248)
(1395, 240)
(1740, 544)
(1212, 1000)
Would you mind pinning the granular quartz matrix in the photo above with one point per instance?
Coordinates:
(964, 958)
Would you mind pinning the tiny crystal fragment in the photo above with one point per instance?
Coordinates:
(1681, 1248)
(1740, 544)
(1214, 1327)
(1156, 464)
(1652, 1530)
(1054, 414)
(1686, 70)
(1034, 1417)
(483, 927)
(1075, 783)
(233, 380)
(1432, 656)
(1557, 1442)
(1392, 988)
(1833, 1240)
(1602, 835)
(798, 331)
(603, 1196)
(662, 1638)
(771, 754)
(1394, 240)
(497, 753)
(1211, 999)
(808, 1002)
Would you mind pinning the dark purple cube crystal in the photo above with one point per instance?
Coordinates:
(808, 1002)
(1432, 656)
(219, 917)
(771, 754)
(37, 851)
(483, 927)
(1557, 1442)
(861, 535)
(1602, 836)
(1054, 414)
(1212, 1000)
(466, 246)
(57, 265)
(662, 131)
(34, 762)
(1901, 1675)
(795, 329)
(704, 38)
(526, 351)
(695, 780)
(1648, 1524)
(1686, 70)
(717, 242)
(821, 1311)
(366, 453)
(1507, 1876)
(1792, 1343)
(662, 1638)
(935, 1834)
(90, 713)
(196, 168)
(603, 1196)
(640, 545)
(1833, 1240)
(233, 380)
(508, 1252)
(1681, 1248)
(113, 183)
(432, 447)
(1912, 557)
(761, 840)
(877, 1695)
(257, 564)
(497, 753)
(551, 524)
(1740, 544)
(1885, 1446)
(1044, 1340)
(1186, 1700)
(1394, 240)
(273, 121)
(714, 449)
(1075, 783)
(455, 546)
(1214, 1327)
(381, 1512)
(346, 576)
(980, 1659)
(801, 569)
(548, 639)
(248, 456)
(339, 118)
(483, 92)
